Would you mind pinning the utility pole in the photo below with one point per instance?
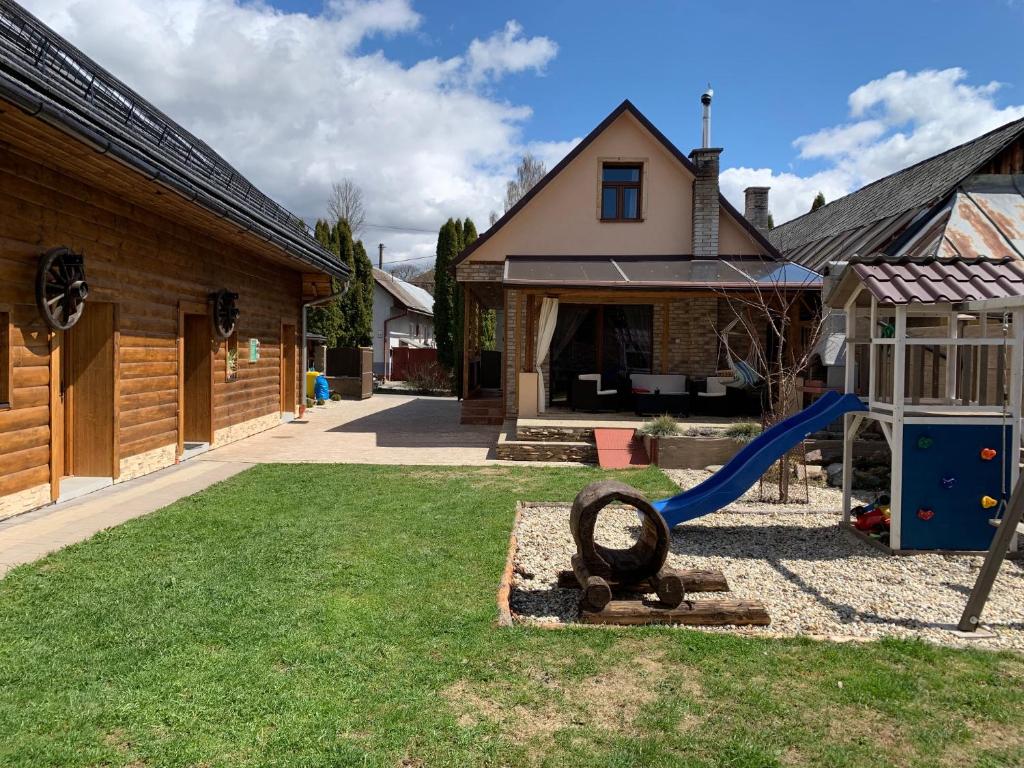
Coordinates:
(380, 255)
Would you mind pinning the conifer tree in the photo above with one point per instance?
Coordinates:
(361, 320)
(819, 200)
(444, 293)
(326, 319)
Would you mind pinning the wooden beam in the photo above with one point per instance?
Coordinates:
(56, 416)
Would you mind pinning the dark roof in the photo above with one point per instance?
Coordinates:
(46, 76)
(938, 280)
(869, 218)
(410, 296)
(625, 106)
(658, 272)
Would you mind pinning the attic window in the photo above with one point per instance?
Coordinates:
(620, 192)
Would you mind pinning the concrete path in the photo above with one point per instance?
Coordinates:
(28, 537)
(384, 429)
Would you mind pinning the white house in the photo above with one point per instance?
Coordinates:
(403, 316)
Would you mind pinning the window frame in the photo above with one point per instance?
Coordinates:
(619, 186)
(6, 357)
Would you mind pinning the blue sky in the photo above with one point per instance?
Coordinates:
(779, 71)
(428, 106)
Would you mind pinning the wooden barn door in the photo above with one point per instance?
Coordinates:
(288, 372)
(89, 393)
(197, 379)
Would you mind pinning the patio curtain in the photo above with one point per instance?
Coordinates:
(545, 331)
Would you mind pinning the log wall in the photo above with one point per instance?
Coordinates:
(147, 264)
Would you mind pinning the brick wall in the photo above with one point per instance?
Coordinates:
(706, 209)
(469, 272)
(509, 354)
(692, 345)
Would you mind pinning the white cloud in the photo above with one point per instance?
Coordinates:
(508, 51)
(897, 120)
(296, 102)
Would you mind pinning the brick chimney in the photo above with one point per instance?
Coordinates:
(705, 202)
(755, 207)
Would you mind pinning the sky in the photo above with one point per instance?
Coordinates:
(428, 105)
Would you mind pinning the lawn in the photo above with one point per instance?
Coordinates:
(344, 615)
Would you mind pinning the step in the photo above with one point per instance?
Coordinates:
(482, 421)
(555, 434)
(510, 449)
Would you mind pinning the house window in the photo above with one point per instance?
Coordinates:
(231, 358)
(6, 358)
(620, 192)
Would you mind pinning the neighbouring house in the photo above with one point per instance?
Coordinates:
(624, 261)
(957, 188)
(151, 299)
(403, 318)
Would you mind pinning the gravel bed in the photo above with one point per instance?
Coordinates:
(814, 578)
(815, 497)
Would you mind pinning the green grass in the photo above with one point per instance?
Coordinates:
(336, 616)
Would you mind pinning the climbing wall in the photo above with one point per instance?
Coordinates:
(948, 471)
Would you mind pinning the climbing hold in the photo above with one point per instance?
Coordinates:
(987, 454)
(926, 514)
(924, 442)
(988, 502)
(948, 482)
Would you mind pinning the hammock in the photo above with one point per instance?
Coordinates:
(745, 376)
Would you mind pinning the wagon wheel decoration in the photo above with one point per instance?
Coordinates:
(61, 289)
(225, 313)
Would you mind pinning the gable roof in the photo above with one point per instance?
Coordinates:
(410, 296)
(867, 219)
(625, 106)
(50, 79)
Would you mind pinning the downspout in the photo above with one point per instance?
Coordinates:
(387, 342)
(305, 353)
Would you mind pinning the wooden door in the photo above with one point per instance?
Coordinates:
(197, 366)
(89, 393)
(288, 372)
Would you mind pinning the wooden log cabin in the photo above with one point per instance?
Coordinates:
(151, 299)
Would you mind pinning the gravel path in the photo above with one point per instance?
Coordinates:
(814, 578)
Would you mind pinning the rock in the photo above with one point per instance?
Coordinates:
(834, 474)
(811, 472)
(712, 468)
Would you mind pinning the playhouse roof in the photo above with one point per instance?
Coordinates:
(931, 282)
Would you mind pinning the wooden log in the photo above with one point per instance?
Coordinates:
(668, 585)
(595, 593)
(696, 613)
(693, 581)
(641, 561)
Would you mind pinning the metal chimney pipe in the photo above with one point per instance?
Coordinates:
(705, 99)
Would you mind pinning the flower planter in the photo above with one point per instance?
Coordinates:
(686, 452)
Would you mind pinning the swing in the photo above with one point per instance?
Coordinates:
(744, 374)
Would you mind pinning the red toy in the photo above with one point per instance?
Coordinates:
(873, 518)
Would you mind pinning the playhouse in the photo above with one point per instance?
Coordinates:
(934, 350)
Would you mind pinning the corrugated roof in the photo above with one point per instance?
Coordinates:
(935, 281)
(865, 220)
(410, 296)
(984, 217)
(656, 272)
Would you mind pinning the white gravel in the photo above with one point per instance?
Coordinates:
(814, 578)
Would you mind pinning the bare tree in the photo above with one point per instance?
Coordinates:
(493, 217)
(407, 272)
(346, 202)
(782, 325)
(529, 171)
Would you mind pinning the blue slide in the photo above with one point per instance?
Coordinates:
(744, 469)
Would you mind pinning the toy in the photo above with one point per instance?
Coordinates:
(925, 514)
(987, 454)
(875, 517)
(988, 502)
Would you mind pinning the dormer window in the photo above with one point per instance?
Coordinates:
(620, 192)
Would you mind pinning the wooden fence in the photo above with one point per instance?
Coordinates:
(406, 359)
